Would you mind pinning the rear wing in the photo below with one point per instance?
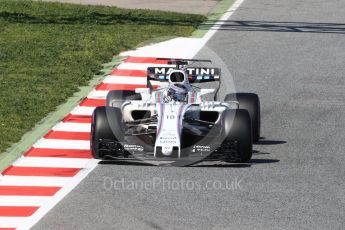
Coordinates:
(195, 74)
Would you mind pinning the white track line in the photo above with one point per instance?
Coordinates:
(62, 144)
(52, 162)
(24, 200)
(34, 181)
(221, 21)
(83, 110)
(72, 127)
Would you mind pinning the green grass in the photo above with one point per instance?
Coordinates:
(48, 50)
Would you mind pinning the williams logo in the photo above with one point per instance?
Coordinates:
(201, 148)
(136, 148)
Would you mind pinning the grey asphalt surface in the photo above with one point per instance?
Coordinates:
(291, 53)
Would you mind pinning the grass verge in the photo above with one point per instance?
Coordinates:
(49, 50)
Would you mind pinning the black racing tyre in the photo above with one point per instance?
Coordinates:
(237, 128)
(250, 102)
(115, 98)
(102, 117)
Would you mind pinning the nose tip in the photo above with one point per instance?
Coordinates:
(167, 151)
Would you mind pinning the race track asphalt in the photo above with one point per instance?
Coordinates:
(292, 54)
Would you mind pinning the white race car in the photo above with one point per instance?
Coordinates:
(174, 122)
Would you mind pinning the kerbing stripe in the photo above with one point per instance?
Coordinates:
(125, 80)
(141, 66)
(83, 111)
(60, 153)
(7, 228)
(145, 60)
(17, 211)
(10, 223)
(93, 102)
(77, 119)
(52, 162)
(67, 135)
(129, 72)
(33, 181)
(98, 94)
(28, 190)
(105, 86)
(62, 144)
(129, 81)
(41, 171)
(24, 200)
(72, 127)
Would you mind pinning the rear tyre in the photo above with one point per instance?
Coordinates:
(101, 129)
(237, 129)
(250, 102)
(115, 98)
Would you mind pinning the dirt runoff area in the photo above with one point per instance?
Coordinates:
(182, 6)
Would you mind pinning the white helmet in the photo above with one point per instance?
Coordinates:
(177, 92)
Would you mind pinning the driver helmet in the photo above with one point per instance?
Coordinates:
(177, 77)
(177, 92)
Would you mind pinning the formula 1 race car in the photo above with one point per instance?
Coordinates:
(171, 121)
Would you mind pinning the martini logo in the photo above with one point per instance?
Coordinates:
(190, 71)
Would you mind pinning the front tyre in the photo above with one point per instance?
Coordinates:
(250, 102)
(101, 129)
(237, 130)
